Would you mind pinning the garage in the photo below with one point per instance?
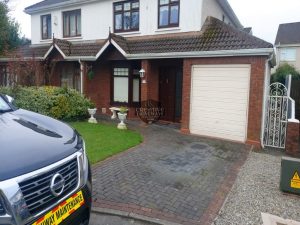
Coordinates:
(219, 101)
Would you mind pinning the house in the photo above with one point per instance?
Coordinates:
(287, 44)
(206, 71)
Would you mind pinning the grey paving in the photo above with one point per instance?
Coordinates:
(256, 190)
(170, 172)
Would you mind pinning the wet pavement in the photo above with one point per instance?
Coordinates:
(170, 176)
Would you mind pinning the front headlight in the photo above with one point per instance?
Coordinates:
(2, 210)
(83, 161)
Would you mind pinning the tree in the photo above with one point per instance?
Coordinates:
(9, 30)
(284, 70)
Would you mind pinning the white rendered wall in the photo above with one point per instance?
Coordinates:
(97, 17)
(212, 8)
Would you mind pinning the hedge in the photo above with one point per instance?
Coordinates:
(60, 103)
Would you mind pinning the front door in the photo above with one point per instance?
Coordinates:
(170, 86)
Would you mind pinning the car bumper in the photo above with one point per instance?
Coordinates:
(82, 214)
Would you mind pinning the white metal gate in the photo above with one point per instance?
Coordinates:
(276, 116)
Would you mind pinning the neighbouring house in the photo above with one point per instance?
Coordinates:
(207, 71)
(287, 44)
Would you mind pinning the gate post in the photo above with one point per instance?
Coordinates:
(292, 137)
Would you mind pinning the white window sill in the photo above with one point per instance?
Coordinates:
(72, 38)
(133, 33)
(46, 40)
(168, 29)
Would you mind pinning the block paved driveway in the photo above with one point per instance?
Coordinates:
(171, 176)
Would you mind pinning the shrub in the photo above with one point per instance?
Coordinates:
(60, 103)
(284, 70)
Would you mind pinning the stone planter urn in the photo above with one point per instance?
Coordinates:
(122, 118)
(92, 112)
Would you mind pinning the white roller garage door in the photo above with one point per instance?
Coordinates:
(219, 101)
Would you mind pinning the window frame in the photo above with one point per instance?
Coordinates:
(76, 12)
(131, 76)
(170, 4)
(287, 52)
(42, 33)
(122, 3)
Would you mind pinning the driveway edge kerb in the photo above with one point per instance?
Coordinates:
(131, 215)
(138, 212)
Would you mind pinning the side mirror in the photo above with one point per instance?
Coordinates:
(9, 99)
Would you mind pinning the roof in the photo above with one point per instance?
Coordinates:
(45, 3)
(54, 4)
(28, 51)
(214, 36)
(288, 33)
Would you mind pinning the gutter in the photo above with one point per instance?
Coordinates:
(203, 54)
(172, 55)
(286, 45)
(18, 59)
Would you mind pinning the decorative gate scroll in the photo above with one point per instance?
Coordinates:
(276, 116)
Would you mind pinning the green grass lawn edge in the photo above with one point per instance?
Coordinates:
(105, 140)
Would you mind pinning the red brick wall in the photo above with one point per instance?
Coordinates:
(255, 98)
(98, 88)
(292, 138)
(150, 90)
(145, 86)
(55, 77)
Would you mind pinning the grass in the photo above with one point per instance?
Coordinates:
(103, 141)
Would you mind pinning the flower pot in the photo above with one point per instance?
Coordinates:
(92, 112)
(122, 118)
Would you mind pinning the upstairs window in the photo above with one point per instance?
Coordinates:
(72, 23)
(168, 13)
(126, 16)
(288, 54)
(46, 26)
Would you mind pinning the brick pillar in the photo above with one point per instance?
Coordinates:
(292, 137)
(145, 83)
(186, 90)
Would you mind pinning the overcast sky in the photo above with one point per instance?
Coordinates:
(263, 16)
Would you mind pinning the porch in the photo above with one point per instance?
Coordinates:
(118, 82)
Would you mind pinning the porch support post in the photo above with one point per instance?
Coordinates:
(145, 64)
(81, 75)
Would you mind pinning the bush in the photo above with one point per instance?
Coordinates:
(284, 70)
(60, 103)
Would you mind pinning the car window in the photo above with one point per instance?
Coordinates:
(3, 105)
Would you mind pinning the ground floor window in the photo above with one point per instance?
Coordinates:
(121, 76)
(70, 77)
(126, 86)
(5, 79)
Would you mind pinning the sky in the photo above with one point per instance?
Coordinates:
(263, 16)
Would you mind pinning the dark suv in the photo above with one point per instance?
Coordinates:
(45, 177)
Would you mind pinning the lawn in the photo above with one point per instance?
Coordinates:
(103, 141)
